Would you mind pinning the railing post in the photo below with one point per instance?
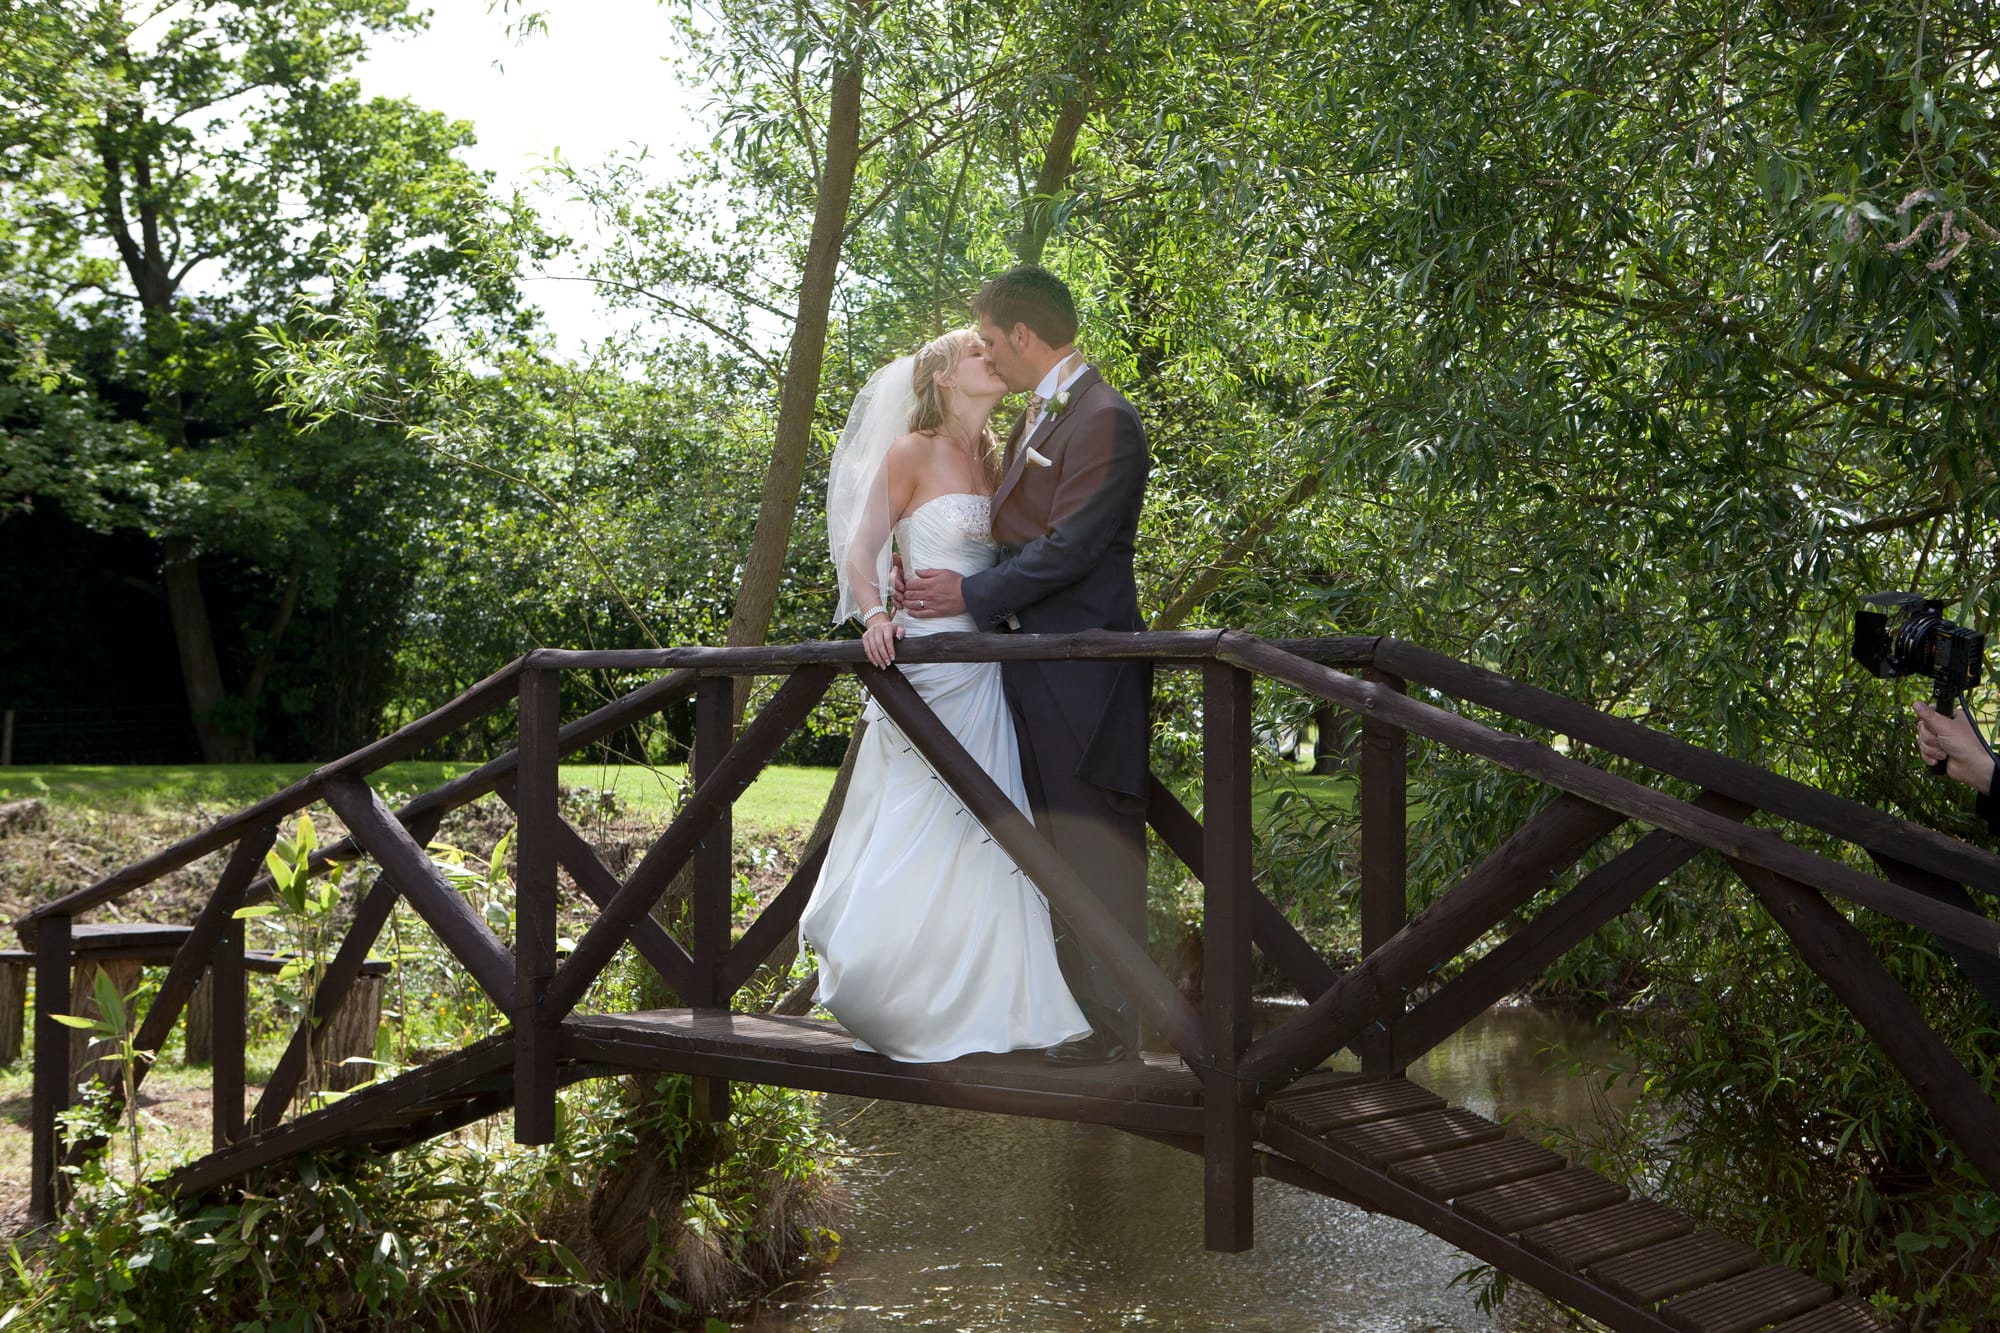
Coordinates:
(535, 907)
(714, 870)
(1384, 853)
(227, 1030)
(52, 1069)
(1225, 955)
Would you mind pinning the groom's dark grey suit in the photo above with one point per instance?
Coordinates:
(1066, 529)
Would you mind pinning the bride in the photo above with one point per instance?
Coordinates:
(931, 943)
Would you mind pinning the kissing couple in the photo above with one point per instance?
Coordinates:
(932, 944)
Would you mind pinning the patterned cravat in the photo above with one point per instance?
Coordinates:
(1035, 404)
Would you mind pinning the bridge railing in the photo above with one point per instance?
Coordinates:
(1365, 1007)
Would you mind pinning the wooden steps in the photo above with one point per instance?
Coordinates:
(1632, 1263)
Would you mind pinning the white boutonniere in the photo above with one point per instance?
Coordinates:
(1035, 457)
(1058, 404)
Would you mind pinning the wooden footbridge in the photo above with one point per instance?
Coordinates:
(1248, 1107)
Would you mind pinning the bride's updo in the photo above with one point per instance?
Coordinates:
(935, 363)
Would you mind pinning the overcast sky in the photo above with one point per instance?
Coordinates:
(594, 84)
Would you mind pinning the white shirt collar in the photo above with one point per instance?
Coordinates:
(1061, 375)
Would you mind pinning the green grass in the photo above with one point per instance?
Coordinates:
(781, 800)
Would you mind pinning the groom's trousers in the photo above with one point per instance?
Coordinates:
(1101, 834)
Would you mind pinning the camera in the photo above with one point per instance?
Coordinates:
(1909, 636)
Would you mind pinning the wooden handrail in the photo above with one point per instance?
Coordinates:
(1163, 647)
(461, 790)
(1760, 847)
(1788, 798)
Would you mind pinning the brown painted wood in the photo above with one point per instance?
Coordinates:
(1848, 820)
(228, 1027)
(1277, 938)
(405, 863)
(575, 854)
(1552, 840)
(441, 800)
(793, 702)
(369, 918)
(1586, 1238)
(713, 862)
(362, 1107)
(1380, 1143)
(1844, 1316)
(1318, 1109)
(1225, 956)
(13, 1007)
(1457, 1171)
(1761, 847)
(535, 891)
(52, 1067)
(1598, 898)
(1842, 957)
(1539, 1200)
(212, 930)
(712, 870)
(1698, 1259)
(778, 919)
(1382, 1194)
(1385, 767)
(1982, 970)
(1764, 1296)
(1138, 978)
(1168, 647)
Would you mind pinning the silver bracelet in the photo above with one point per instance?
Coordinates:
(869, 614)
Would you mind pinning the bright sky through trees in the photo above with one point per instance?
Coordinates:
(595, 83)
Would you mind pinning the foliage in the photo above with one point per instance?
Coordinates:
(363, 1241)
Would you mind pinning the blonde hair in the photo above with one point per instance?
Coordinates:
(935, 362)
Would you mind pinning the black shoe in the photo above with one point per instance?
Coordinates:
(1099, 1048)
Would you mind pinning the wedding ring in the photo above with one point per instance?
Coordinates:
(921, 604)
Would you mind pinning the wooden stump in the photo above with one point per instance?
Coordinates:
(13, 1004)
(197, 1024)
(349, 1033)
(90, 1057)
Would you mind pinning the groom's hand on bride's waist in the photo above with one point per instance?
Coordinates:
(930, 593)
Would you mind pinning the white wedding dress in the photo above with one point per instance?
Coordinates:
(931, 943)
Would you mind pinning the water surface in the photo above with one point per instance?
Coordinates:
(969, 1221)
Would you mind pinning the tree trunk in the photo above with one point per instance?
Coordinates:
(97, 1057)
(350, 1034)
(1039, 219)
(201, 671)
(764, 567)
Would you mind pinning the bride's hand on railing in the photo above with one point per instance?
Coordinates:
(878, 640)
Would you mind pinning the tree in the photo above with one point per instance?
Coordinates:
(174, 178)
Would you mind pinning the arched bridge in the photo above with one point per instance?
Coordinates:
(1249, 1106)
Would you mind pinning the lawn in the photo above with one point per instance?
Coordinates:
(781, 800)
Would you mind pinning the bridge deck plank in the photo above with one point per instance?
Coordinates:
(1381, 1143)
(1845, 1316)
(1675, 1266)
(1542, 1199)
(1752, 1301)
(1582, 1240)
(1318, 1107)
(1459, 1171)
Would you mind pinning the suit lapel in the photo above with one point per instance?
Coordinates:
(1045, 433)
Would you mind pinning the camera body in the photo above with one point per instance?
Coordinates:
(1909, 636)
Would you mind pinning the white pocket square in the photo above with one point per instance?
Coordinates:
(1035, 457)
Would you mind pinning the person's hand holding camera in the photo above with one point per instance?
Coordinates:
(1951, 738)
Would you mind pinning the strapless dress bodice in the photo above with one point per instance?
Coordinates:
(952, 532)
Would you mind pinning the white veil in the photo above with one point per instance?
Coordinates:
(857, 488)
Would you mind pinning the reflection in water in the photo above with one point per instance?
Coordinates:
(968, 1221)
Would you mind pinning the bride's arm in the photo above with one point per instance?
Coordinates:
(884, 511)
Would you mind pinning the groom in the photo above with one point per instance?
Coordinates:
(1066, 516)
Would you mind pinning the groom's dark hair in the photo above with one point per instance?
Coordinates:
(1030, 294)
